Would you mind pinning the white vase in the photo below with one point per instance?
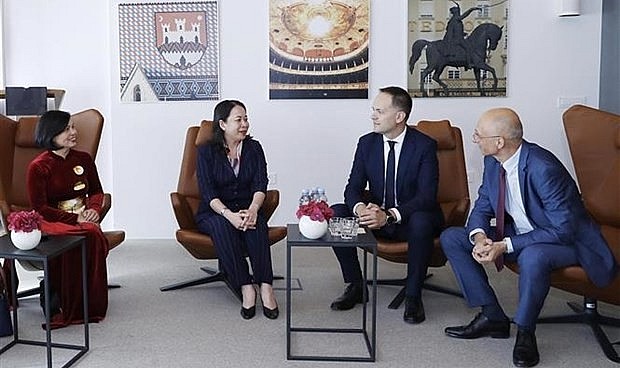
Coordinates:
(26, 241)
(312, 229)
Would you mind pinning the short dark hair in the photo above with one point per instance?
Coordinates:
(400, 99)
(50, 124)
(222, 112)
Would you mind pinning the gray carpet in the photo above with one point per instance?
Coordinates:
(201, 326)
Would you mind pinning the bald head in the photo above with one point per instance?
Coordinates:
(504, 122)
(499, 133)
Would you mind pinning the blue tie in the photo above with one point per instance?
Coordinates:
(389, 177)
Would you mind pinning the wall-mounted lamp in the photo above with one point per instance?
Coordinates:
(568, 8)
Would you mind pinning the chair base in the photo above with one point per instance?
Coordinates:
(27, 293)
(214, 276)
(36, 291)
(400, 297)
(588, 314)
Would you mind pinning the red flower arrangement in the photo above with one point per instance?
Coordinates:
(25, 221)
(316, 210)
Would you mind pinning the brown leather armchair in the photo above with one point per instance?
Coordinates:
(453, 196)
(18, 149)
(594, 142)
(185, 203)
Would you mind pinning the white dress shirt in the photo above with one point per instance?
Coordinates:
(386, 151)
(514, 201)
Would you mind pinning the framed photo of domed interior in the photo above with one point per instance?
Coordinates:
(457, 48)
(318, 49)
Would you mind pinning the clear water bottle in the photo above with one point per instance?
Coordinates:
(314, 194)
(305, 197)
(321, 195)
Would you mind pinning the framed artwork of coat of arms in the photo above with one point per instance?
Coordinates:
(169, 51)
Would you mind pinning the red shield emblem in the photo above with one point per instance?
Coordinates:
(181, 37)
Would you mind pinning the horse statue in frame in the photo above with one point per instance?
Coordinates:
(484, 37)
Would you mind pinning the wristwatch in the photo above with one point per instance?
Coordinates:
(389, 218)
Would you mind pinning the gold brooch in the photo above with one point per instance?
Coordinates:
(78, 170)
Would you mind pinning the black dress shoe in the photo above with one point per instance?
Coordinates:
(248, 313)
(414, 310)
(271, 313)
(525, 353)
(480, 326)
(353, 294)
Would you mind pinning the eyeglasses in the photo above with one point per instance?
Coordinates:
(477, 137)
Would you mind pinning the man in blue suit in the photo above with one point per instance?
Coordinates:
(545, 227)
(399, 167)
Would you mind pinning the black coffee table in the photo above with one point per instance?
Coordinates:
(367, 241)
(49, 248)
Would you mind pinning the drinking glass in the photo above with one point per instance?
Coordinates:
(349, 228)
(335, 226)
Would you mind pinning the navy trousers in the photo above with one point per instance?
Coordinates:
(232, 245)
(535, 265)
(419, 232)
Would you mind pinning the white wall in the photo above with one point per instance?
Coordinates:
(74, 45)
(64, 44)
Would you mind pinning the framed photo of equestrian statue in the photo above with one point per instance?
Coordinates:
(457, 48)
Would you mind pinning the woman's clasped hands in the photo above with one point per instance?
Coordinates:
(244, 219)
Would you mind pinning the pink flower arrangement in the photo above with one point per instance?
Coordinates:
(25, 221)
(316, 210)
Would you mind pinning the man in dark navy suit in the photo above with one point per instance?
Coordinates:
(399, 167)
(545, 226)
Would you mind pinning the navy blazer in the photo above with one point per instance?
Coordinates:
(417, 177)
(216, 178)
(554, 208)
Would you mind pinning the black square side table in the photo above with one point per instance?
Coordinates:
(46, 250)
(365, 240)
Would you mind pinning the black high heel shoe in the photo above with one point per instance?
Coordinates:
(248, 313)
(271, 313)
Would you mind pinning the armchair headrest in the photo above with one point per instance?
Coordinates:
(205, 133)
(24, 136)
(440, 131)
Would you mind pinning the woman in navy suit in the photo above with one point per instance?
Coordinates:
(232, 178)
